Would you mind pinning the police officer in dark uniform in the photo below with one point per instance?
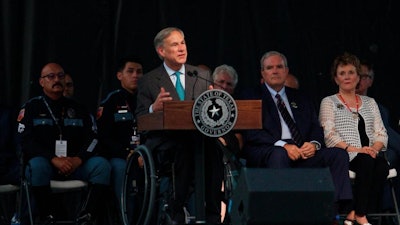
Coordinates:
(57, 138)
(116, 121)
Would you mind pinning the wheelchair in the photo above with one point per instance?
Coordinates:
(150, 190)
(139, 188)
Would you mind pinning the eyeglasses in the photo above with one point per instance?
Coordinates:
(51, 76)
(364, 76)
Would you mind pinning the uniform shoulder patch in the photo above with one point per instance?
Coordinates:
(99, 112)
(21, 115)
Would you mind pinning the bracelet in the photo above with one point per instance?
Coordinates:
(346, 148)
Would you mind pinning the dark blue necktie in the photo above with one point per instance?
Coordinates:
(289, 121)
(179, 87)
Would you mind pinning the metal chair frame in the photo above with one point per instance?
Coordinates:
(56, 187)
(6, 189)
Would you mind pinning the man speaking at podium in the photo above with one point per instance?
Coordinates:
(176, 80)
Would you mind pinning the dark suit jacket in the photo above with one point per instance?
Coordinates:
(393, 148)
(150, 84)
(148, 89)
(304, 113)
(179, 146)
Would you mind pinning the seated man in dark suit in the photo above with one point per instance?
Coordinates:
(366, 81)
(292, 138)
(393, 149)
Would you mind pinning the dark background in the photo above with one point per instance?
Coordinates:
(87, 36)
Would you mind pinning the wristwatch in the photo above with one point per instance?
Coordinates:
(317, 145)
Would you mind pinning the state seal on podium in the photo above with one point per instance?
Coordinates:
(214, 113)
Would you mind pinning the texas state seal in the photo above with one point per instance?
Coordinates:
(214, 113)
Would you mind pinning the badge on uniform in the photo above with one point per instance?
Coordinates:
(21, 127)
(135, 141)
(71, 113)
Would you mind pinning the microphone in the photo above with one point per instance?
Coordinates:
(193, 74)
(196, 75)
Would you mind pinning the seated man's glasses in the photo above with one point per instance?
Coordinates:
(52, 76)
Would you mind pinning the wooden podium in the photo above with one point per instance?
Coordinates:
(177, 115)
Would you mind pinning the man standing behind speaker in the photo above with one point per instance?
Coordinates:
(291, 136)
(176, 147)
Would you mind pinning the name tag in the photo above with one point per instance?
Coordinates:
(61, 148)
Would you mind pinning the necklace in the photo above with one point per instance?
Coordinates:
(355, 114)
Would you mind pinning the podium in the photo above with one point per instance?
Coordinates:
(177, 115)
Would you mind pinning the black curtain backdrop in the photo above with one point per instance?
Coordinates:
(87, 37)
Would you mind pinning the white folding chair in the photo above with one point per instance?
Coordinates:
(65, 187)
(8, 188)
(58, 186)
(61, 187)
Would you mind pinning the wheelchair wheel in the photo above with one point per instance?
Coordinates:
(139, 188)
(231, 176)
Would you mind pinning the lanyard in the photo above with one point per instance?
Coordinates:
(52, 116)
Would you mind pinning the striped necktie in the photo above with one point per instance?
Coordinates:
(296, 136)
